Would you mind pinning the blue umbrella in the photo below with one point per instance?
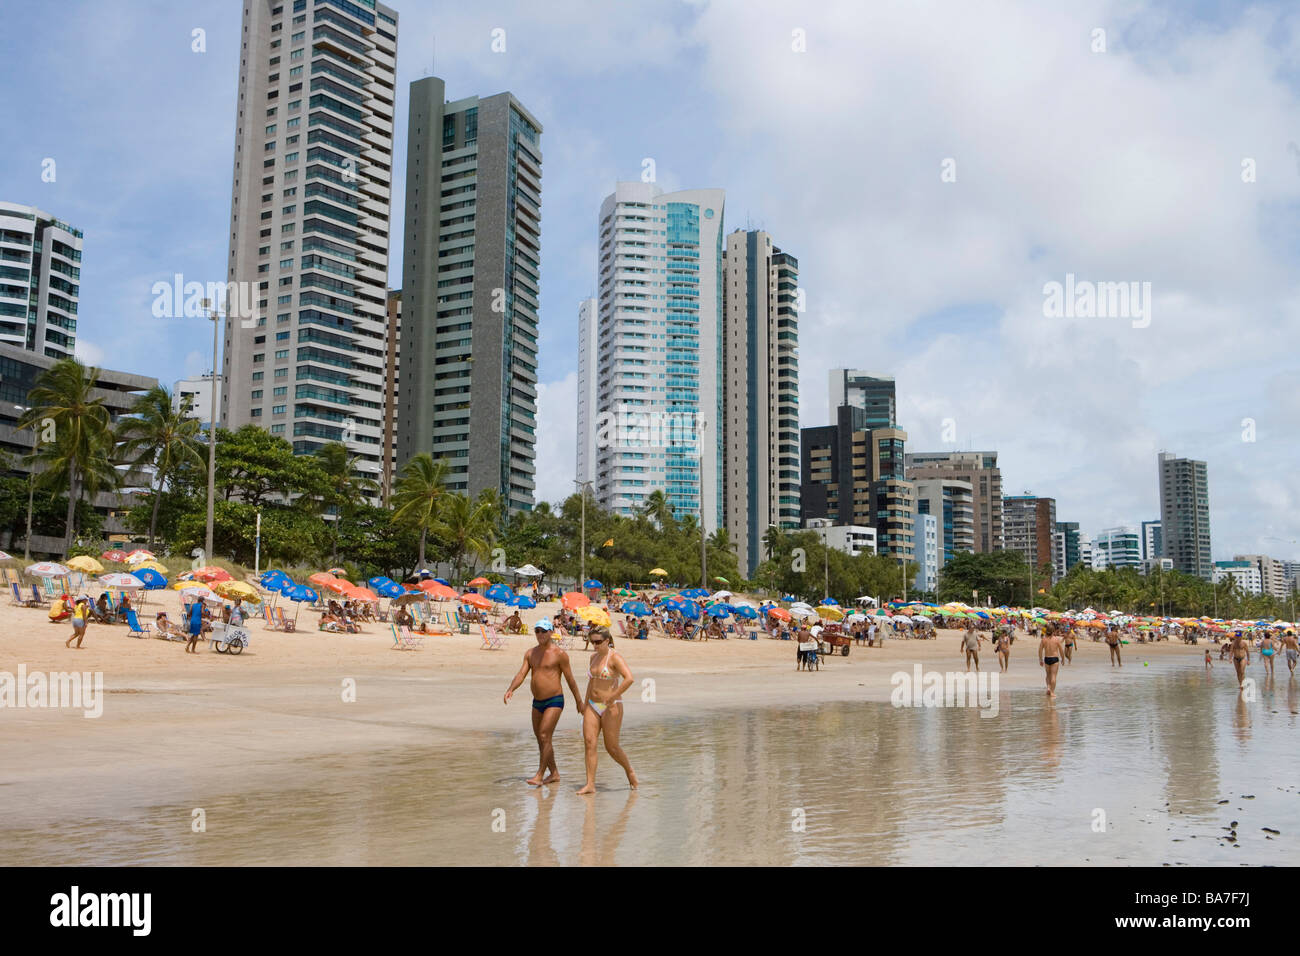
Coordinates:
(300, 593)
(391, 590)
(284, 586)
(499, 593)
(151, 578)
(639, 608)
(523, 601)
(689, 610)
(720, 610)
(789, 597)
(830, 601)
(272, 580)
(439, 580)
(592, 583)
(695, 593)
(380, 581)
(746, 612)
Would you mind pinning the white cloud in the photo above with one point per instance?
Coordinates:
(556, 443)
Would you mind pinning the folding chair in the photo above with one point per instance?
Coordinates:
(269, 616)
(37, 599)
(17, 596)
(404, 639)
(285, 623)
(492, 641)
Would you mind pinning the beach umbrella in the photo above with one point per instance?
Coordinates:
(745, 611)
(380, 580)
(855, 617)
(298, 594)
(321, 578)
(140, 554)
(574, 599)
(151, 578)
(117, 557)
(695, 593)
(209, 575)
(358, 593)
(439, 580)
(624, 592)
(195, 592)
(780, 613)
(522, 601)
(409, 597)
(720, 610)
(830, 601)
(149, 566)
(236, 589)
(902, 619)
(479, 582)
(721, 580)
(689, 610)
(84, 562)
(6, 556)
(831, 613)
(802, 612)
(439, 592)
(391, 590)
(659, 572)
(720, 595)
(499, 593)
(127, 582)
(337, 585)
(592, 583)
(476, 600)
(47, 569)
(341, 572)
(530, 571)
(638, 608)
(594, 614)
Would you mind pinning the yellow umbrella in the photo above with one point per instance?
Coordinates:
(190, 586)
(659, 571)
(834, 613)
(155, 565)
(236, 589)
(84, 562)
(595, 614)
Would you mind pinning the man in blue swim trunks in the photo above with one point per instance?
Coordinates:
(547, 664)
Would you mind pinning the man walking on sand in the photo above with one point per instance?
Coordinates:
(970, 643)
(548, 664)
(1049, 658)
(1291, 648)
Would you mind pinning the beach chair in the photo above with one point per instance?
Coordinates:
(18, 598)
(133, 625)
(404, 639)
(37, 599)
(492, 641)
(50, 590)
(286, 625)
(269, 617)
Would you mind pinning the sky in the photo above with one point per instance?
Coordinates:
(934, 166)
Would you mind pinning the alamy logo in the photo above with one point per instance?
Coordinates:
(39, 690)
(179, 299)
(631, 429)
(133, 910)
(946, 689)
(1098, 300)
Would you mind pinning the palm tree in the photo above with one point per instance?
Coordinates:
(161, 438)
(418, 495)
(344, 484)
(658, 508)
(466, 527)
(79, 458)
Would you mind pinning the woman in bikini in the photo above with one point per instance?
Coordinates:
(1003, 648)
(608, 678)
(1240, 656)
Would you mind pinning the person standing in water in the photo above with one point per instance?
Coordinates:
(1292, 650)
(548, 664)
(1049, 658)
(970, 643)
(1003, 647)
(1067, 645)
(1240, 656)
(1267, 648)
(608, 679)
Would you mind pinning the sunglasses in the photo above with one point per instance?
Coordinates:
(598, 640)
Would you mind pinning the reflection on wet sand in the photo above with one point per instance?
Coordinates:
(839, 783)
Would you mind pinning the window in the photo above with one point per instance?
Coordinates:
(257, 376)
(285, 246)
(290, 158)
(289, 193)
(286, 263)
(295, 71)
(281, 373)
(255, 413)
(277, 429)
(270, 130)
(256, 395)
(297, 37)
(277, 409)
(284, 300)
(259, 357)
(296, 55)
(293, 123)
(281, 354)
(295, 106)
(280, 390)
(282, 336)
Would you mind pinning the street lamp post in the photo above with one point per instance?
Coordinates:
(212, 435)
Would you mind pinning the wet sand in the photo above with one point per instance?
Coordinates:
(427, 765)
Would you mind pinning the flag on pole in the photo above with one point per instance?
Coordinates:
(608, 544)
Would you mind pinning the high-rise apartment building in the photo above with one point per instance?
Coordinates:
(1273, 577)
(659, 365)
(1152, 540)
(1185, 514)
(588, 356)
(309, 224)
(760, 395)
(1028, 523)
(392, 390)
(952, 503)
(40, 281)
(980, 470)
(874, 394)
(1118, 547)
(1244, 574)
(471, 278)
(1065, 549)
(854, 476)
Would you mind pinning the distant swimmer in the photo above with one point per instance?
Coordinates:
(1112, 641)
(548, 663)
(1049, 658)
(970, 643)
(1240, 656)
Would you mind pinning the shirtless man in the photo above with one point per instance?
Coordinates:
(1292, 650)
(547, 664)
(1049, 658)
(1240, 656)
(970, 643)
(1112, 641)
(1067, 645)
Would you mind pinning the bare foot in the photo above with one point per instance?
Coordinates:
(553, 778)
(535, 780)
(589, 788)
(631, 779)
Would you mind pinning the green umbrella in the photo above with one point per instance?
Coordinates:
(722, 580)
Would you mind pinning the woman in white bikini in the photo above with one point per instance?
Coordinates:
(608, 678)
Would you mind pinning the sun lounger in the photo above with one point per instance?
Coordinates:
(492, 641)
(133, 625)
(404, 639)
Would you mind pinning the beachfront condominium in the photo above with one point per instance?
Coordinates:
(1185, 514)
(760, 395)
(1065, 549)
(1244, 574)
(952, 503)
(471, 275)
(854, 476)
(40, 281)
(928, 551)
(309, 224)
(659, 352)
(1152, 540)
(1118, 547)
(1273, 576)
(588, 346)
(874, 394)
(1028, 522)
(980, 469)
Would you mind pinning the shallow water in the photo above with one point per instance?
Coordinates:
(859, 783)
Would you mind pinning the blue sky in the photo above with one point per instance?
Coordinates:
(1114, 165)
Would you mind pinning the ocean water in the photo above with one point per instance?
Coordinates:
(1172, 770)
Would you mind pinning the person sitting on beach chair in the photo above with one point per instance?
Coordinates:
(100, 610)
(514, 624)
(163, 625)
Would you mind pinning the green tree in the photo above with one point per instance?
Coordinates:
(157, 436)
(418, 495)
(467, 528)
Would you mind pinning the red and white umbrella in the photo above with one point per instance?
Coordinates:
(6, 556)
(126, 582)
(140, 554)
(48, 569)
(117, 557)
